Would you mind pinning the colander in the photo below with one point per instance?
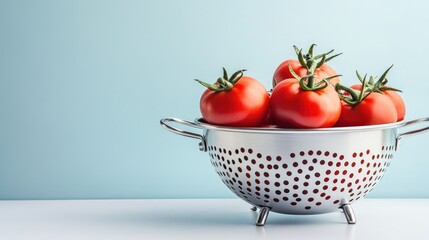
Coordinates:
(294, 171)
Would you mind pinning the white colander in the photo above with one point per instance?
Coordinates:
(296, 171)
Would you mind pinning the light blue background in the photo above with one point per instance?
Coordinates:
(83, 85)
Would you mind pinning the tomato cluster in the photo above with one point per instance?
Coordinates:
(307, 93)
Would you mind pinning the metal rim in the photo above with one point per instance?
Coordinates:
(204, 125)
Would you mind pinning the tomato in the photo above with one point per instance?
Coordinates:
(240, 101)
(282, 72)
(396, 99)
(305, 65)
(293, 107)
(362, 104)
(390, 92)
(376, 108)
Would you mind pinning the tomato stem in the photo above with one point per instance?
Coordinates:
(224, 83)
(354, 97)
(311, 71)
(311, 63)
(313, 86)
(379, 86)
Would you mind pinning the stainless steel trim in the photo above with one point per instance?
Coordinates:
(202, 124)
(412, 132)
(202, 144)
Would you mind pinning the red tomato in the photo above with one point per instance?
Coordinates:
(293, 107)
(376, 108)
(268, 122)
(282, 72)
(245, 104)
(398, 102)
(394, 97)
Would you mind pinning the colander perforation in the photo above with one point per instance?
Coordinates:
(304, 181)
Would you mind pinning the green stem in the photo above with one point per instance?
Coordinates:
(223, 83)
(380, 84)
(311, 70)
(353, 94)
(354, 98)
(304, 86)
(311, 63)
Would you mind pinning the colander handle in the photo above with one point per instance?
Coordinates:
(202, 144)
(413, 132)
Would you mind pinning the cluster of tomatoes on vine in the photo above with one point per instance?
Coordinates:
(306, 93)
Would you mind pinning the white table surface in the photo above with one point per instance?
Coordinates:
(205, 219)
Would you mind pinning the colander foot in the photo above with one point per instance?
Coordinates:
(348, 212)
(254, 208)
(262, 217)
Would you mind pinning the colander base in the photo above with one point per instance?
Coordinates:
(264, 211)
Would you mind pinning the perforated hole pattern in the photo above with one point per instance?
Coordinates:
(306, 180)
